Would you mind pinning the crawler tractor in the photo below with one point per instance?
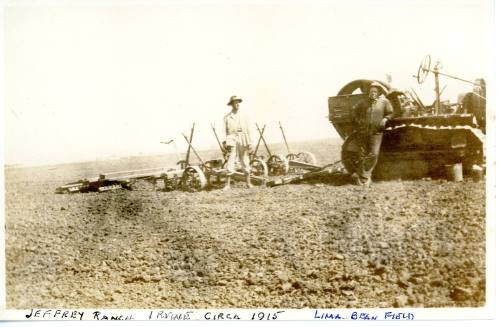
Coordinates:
(420, 141)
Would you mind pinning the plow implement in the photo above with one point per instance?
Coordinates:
(206, 174)
(85, 185)
(299, 162)
(123, 180)
(319, 172)
(277, 164)
(172, 178)
(197, 178)
(302, 165)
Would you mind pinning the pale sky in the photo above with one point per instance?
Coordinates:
(87, 82)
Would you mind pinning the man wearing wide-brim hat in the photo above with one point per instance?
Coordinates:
(238, 140)
(370, 118)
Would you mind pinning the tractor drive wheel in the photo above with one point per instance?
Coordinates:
(363, 86)
(350, 154)
(277, 165)
(193, 179)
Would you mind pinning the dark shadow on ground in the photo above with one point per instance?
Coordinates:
(335, 179)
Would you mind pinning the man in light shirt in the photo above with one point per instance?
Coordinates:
(238, 141)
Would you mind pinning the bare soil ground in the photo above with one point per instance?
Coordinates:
(321, 244)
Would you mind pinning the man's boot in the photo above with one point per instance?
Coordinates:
(249, 181)
(228, 184)
(355, 179)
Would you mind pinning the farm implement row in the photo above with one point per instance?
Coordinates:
(208, 174)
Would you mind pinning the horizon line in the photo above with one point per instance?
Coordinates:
(127, 156)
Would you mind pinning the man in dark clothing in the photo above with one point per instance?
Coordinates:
(370, 118)
(475, 103)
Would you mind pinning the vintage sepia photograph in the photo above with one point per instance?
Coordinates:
(247, 154)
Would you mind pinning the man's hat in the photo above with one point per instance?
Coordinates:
(232, 99)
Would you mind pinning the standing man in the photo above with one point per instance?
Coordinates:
(238, 141)
(475, 103)
(369, 120)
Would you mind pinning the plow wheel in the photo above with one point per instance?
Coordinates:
(193, 179)
(291, 156)
(259, 168)
(277, 165)
(307, 157)
(350, 154)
